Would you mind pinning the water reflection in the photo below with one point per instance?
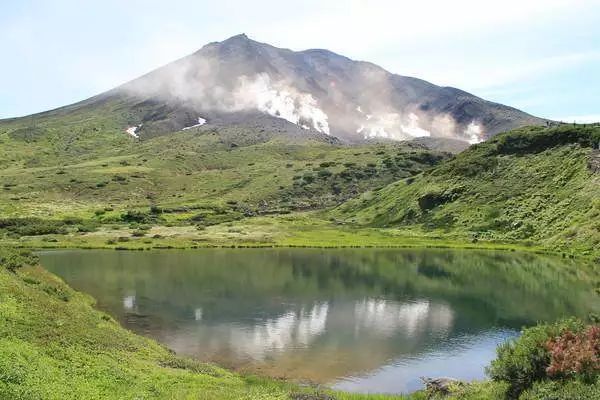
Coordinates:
(364, 320)
(292, 330)
(385, 317)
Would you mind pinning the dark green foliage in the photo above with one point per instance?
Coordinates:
(32, 226)
(155, 209)
(138, 216)
(13, 259)
(324, 173)
(538, 139)
(431, 200)
(308, 178)
(523, 361)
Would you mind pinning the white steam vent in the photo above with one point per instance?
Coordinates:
(474, 133)
(280, 100)
(409, 125)
(390, 126)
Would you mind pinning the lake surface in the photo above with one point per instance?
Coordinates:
(364, 320)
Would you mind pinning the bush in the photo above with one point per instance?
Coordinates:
(137, 216)
(324, 173)
(13, 259)
(308, 178)
(32, 226)
(523, 361)
(561, 390)
(87, 227)
(155, 209)
(575, 354)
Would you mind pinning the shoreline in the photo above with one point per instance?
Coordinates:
(423, 243)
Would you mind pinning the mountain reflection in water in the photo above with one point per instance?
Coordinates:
(362, 320)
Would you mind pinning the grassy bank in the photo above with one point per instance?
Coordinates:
(293, 230)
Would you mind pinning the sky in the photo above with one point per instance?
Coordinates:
(542, 56)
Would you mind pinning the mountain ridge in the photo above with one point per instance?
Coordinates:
(316, 90)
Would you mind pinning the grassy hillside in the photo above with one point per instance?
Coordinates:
(84, 164)
(537, 185)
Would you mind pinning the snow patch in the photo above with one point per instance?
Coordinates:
(201, 121)
(132, 129)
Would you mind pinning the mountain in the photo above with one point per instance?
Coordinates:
(533, 184)
(243, 83)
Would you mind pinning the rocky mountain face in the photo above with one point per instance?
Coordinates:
(241, 82)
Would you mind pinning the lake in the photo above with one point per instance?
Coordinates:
(363, 320)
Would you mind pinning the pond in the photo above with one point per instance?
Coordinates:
(363, 320)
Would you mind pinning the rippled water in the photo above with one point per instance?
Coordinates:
(362, 320)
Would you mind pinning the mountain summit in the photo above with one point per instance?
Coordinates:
(243, 82)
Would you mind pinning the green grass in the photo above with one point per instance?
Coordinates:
(308, 229)
(76, 163)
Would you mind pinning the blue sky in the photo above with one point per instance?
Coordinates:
(542, 56)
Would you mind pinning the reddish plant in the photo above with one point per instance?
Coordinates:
(575, 354)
